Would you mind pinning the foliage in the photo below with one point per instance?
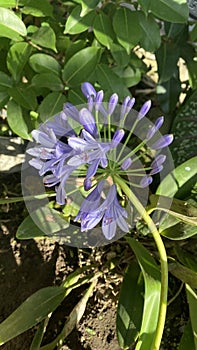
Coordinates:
(48, 48)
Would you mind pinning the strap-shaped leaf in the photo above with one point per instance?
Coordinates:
(32, 311)
(130, 306)
(152, 281)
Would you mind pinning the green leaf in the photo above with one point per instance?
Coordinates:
(187, 340)
(37, 340)
(192, 300)
(127, 28)
(51, 105)
(24, 96)
(43, 63)
(76, 24)
(8, 3)
(151, 38)
(32, 311)
(5, 81)
(130, 76)
(80, 66)
(152, 280)
(184, 130)
(130, 306)
(183, 273)
(192, 68)
(110, 81)
(37, 8)
(16, 120)
(47, 220)
(88, 5)
(48, 80)
(10, 25)
(45, 37)
(175, 182)
(4, 98)
(103, 30)
(17, 58)
(119, 54)
(145, 5)
(179, 231)
(168, 94)
(167, 56)
(171, 10)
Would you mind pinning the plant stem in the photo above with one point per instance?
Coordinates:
(163, 261)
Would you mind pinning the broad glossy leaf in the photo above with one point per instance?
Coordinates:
(88, 5)
(37, 8)
(80, 66)
(103, 30)
(151, 38)
(119, 54)
(16, 120)
(171, 11)
(145, 5)
(11, 25)
(24, 96)
(130, 76)
(5, 81)
(43, 63)
(179, 231)
(4, 98)
(167, 56)
(76, 24)
(192, 300)
(130, 306)
(45, 37)
(175, 182)
(32, 311)
(17, 58)
(48, 80)
(183, 273)
(110, 81)
(8, 3)
(152, 281)
(127, 28)
(51, 105)
(187, 340)
(168, 94)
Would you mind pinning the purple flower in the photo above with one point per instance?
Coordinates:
(151, 132)
(88, 90)
(163, 142)
(88, 122)
(126, 164)
(112, 104)
(146, 181)
(144, 110)
(110, 211)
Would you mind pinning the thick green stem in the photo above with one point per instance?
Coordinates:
(163, 260)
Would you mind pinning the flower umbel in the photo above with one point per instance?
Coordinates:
(99, 152)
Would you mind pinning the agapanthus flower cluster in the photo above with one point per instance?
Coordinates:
(86, 143)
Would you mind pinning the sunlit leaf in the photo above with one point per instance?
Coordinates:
(76, 24)
(11, 26)
(152, 277)
(130, 306)
(43, 63)
(32, 311)
(16, 120)
(17, 57)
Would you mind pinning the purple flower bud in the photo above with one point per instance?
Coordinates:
(156, 170)
(163, 141)
(88, 90)
(146, 181)
(98, 100)
(87, 120)
(155, 128)
(159, 160)
(112, 103)
(87, 184)
(126, 164)
(117, 138)
(90, 103)
(130, 105)
(71, 111)
(144, 109)
(124, 106)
